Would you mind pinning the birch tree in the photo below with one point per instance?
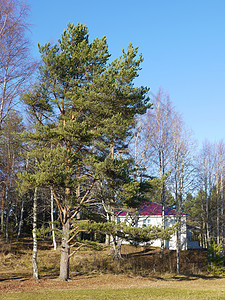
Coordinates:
(206, 167)
(16, 65)
(219, 176)
(158, 131)
(10, 163)
(182, 170)
(34, 234)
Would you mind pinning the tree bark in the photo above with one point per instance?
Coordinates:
(116, 248)
(222, 215)
(35, 244)
(3, 208)
(7, 221)
(64, 263)
(52, 221)
(21, 220)
(107, 236)
(178, 236)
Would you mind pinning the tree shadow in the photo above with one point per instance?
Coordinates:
(146, 251)
(192, 277)
(16, 277)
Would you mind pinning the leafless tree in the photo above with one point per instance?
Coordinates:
(182, 170)
(219, 176)
(10, 161)
(16, 65)
(206, 165)
(158, 134)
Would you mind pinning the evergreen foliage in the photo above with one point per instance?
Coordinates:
(85, 107)
(216, 258)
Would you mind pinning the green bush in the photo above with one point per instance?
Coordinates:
(216, 259)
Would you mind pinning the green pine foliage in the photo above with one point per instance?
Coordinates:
(83, 104)
(129, 233)
(216, 258)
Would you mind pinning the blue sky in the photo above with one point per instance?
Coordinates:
(183, 44)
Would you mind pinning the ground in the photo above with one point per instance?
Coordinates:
(181, 285)
(93, 275)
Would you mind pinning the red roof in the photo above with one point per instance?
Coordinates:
(151, 209)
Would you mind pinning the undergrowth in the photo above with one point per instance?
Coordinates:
(17, 259)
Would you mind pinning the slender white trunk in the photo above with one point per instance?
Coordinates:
(21, 220)
(7, 227)
(222, 214)
(35, 245)
(7, 217)
(3, 208)
(178, 233)
(161, 165)
(3, 93)
(218, 213)
(107, 236)
(52, 221)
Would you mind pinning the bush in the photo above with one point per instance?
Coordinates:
(216, 259)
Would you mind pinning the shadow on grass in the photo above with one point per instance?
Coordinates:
(140, 253)
(23, 277)
(191, 277)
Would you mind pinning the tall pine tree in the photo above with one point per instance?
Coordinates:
(85, 108)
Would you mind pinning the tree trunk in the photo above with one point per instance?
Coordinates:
(217, 218)
(35, 245)
(52, 221)
(178, 260)
(208, 227)
(163, 212)
(7, 209)
(7, 226)
(3, 208)
(21, 220)
(222, 216)
(178, 244)
(64, 263)
(107, 236)
(178, 232)
(115, 247)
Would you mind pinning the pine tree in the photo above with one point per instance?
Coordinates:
(84, 107)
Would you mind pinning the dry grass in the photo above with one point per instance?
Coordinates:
(142, 274)
(15, 260)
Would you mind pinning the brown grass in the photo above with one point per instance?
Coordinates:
(139, 267)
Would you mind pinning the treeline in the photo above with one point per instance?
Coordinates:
(193, 178)
(93, 143)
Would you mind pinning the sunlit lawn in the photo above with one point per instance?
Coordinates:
(126, 293)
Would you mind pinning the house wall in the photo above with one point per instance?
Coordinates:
(157, 221)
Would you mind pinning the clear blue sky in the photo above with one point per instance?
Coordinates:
(183, 44)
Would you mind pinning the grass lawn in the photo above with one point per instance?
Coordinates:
(125, 293)
(110, 286)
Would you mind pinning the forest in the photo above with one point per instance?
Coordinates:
(79, 141)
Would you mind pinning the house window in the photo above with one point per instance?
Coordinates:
(144, 223)
(118, 220)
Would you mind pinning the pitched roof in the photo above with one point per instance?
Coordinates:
(151, 209)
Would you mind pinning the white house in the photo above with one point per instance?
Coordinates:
(151, 214)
